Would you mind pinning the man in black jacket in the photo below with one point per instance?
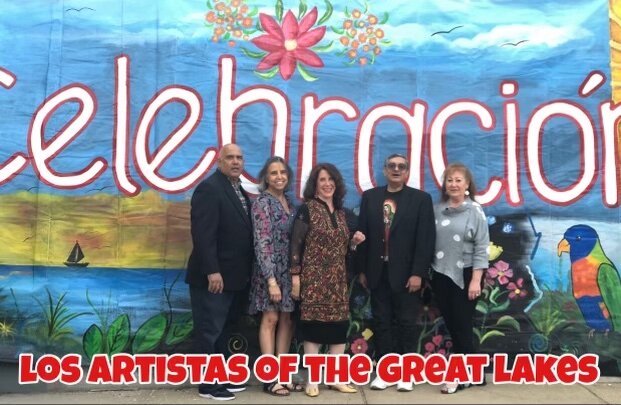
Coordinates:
(221, 260)
(399, 225)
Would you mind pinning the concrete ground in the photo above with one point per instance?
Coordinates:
(606, 391)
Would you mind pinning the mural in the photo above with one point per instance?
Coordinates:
(113, 110)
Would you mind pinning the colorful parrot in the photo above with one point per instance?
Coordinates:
(595, 280)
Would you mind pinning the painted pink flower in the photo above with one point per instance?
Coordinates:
(500, 271)
(359, 346)
(288, 45)
(437, 340)
(430, 347)
(516, 290)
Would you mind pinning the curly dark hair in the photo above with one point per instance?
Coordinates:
(263, 173)
(311, 184)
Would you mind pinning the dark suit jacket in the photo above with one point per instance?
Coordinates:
(222, 240)
(412, 237)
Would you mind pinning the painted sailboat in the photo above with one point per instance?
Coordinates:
(75, 257)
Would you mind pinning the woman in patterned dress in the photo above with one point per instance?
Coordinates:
(319, 247)
(270, 288)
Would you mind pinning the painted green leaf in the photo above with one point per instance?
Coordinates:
(324, 48)
(509, 321)
(253, 12)
(482, 307)
(372, 59)
(149, 335)
(490, 334)
(279, 9)
(385, 42)
(477, 333)
(384, 19)
(268, 74)
(346, 12)
(92, 341)
(500, 307)
(338, 30)
(493, 296)
(209, 4)
(180, 329)
(252, 54)
(327, 14)
(302, 9)
(118, 335)
(226, 36)
(366, 7)
(305, 74)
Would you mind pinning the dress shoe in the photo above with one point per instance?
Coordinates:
(405, 386)
(379, 384)
(344, 388)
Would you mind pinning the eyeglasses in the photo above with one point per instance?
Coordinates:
(397, 166)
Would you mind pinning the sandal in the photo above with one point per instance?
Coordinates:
(311, 390)
(451, 388)
(294, 387)
(344, 388)
(275, 389)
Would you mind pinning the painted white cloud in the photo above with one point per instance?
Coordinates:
(469, 37)
(542, 35)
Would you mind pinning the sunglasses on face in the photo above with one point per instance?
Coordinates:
(397, 166)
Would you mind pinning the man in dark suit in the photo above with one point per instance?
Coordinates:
(221, 259)
(399, 225)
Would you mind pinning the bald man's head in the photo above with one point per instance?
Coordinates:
(231, 161)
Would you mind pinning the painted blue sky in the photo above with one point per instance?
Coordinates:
(50, 44)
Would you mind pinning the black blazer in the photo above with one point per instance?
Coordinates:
(412, 237)
(222, 240)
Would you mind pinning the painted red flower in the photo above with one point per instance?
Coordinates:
(359, 346)
(288, 45)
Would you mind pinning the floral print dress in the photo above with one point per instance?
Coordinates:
(319, 248)
(272, 233)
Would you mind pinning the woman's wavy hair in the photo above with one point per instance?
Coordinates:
(310, 190)
(459, 167)
(263, 173)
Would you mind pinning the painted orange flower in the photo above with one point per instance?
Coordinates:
(289, 44)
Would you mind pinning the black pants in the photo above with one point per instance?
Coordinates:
(394, 318)
(214, 315)
(457, 310)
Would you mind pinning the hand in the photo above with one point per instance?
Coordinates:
(357, 239)
(474, 290)
(362, 279)
(275, 294)
(295, 287)
(216, 284)
(414, 284)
